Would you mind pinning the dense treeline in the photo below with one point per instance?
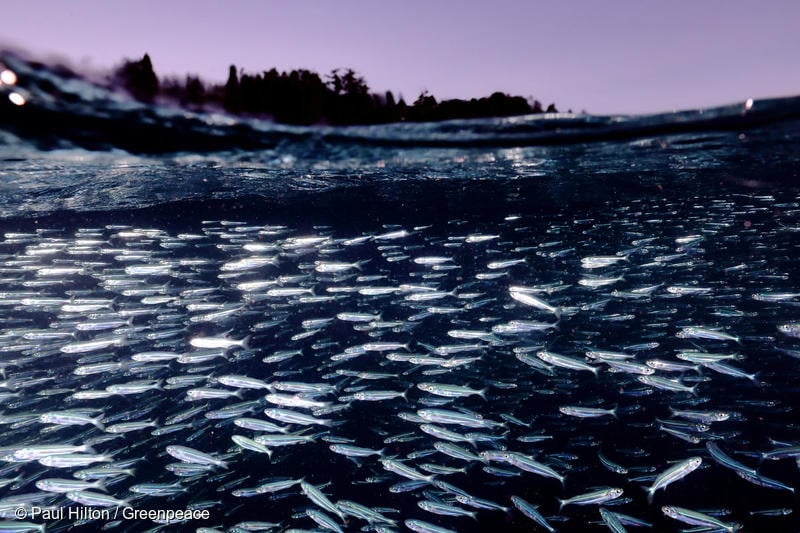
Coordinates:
(303, 97)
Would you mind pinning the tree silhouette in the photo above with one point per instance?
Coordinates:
(194, 93)
(139, 78)
(303, 97)
(232, 98)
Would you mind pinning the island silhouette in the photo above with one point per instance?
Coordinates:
(303, 97)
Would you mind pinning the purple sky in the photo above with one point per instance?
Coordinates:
(616, 56)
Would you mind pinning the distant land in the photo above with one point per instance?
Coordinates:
(303, 97)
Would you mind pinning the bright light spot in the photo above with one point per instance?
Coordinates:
(8, 77)
(16, 99)
(748, 105)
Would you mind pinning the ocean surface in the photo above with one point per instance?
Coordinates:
(517, 324)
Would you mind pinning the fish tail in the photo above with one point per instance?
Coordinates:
(405, 393)
(246, 342)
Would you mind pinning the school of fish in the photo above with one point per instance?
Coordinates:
(572, 374)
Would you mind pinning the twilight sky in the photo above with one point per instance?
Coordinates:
(615, 56)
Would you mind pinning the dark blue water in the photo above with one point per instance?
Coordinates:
(701, 208)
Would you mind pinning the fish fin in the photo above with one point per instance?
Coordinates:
(561, 504)
(614, 412)
(246, 342)
(99, 485)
